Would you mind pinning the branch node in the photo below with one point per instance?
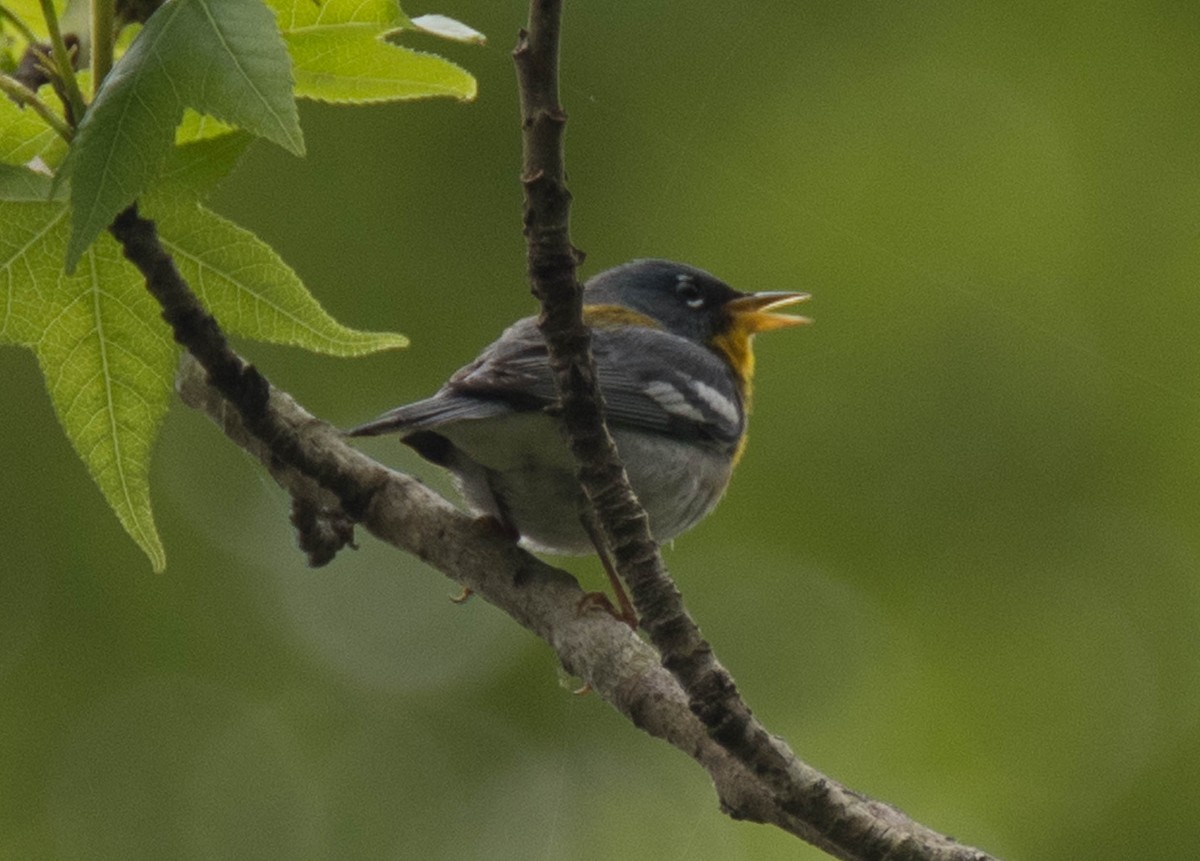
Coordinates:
(321, 532)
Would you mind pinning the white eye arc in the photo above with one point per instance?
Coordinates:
(689, 291)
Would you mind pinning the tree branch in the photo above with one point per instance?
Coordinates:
(620, 667)
(326, 477)
(756, 776)
(552, 260)
(237, 380)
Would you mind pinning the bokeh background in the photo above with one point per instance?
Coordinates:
(959, 568)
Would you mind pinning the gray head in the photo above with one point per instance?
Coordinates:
(682, 299)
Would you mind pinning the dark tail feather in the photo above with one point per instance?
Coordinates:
(432, 412)
(432, 446)
(387, 423)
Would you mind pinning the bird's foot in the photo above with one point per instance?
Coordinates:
(600, 601)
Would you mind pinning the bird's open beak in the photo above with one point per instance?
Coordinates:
(755, 312)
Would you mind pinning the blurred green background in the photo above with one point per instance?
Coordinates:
(959, 568)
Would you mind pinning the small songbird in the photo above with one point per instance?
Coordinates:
(673, 355)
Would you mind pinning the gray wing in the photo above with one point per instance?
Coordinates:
(653, 380)
(641, 373)
(511, 375)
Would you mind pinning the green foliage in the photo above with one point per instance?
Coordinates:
(24, 136)
(192, 167)
(30, 13)
(250, 289)
(198, 82)
(339, 54)
(107, 358)
(220, 57)
(22, 185)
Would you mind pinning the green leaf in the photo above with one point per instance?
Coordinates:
(102, 348)
(249, 288)
(25, 136)
(30, 13)
(223, 58)
(197, 127)
(340, 54)
(295, 16)
(24, 185)
(107, 357)
(193, 169)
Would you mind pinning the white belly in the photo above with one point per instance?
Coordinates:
(526, 477)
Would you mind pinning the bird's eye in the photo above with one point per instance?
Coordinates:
(689, 292)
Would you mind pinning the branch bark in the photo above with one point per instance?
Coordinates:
(312, 461)
(621, 668)
(684, 697)
(552, 261)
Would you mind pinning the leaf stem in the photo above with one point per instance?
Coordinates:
(102, 41)
(28, 34)
(13, 88)
(62, 59)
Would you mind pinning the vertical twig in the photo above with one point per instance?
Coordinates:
(840, 821)
(17, 91)
(103, 12)
(834, 818)
(64, 63)
(552, 261)
(28, 35)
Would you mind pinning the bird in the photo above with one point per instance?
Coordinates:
(674, 363)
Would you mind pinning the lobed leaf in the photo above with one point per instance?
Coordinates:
(222, 57)
(296, 16)
(98, 337)
(341, 52)
(20, 184)
(193, 169)
(196, 126)
(25, 136)
(199, 71)
(249, 288)
(102, 348)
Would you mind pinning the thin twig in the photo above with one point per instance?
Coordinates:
(236, 379)
(319, 469)
(102, 41)
(312, 461)
(23, 28)
(64, 63)
(13, 88)
(552, 261)
(849, 831)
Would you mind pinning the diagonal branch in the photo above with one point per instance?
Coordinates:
(312, 461)
(712, 694)
(552, 260)
(618, 665)
(694, 705)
